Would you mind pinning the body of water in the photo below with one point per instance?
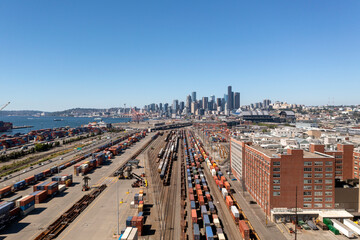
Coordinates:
(48, 122)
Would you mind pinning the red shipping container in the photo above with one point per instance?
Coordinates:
(199, 193)
(208, 197)
(206, 189)
(133, 221)
(191, 197)
(30, 180)
(27, 200)
(140, 221)
(223, 179)
(244, 230)
(40, 197)
(193, 216)
(5, 190)
(191, 191)
(197, 186)
(201, 200)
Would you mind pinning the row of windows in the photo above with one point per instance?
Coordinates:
(318, 187)
(317, 193)
(317, 205)
(317, 181)
(327, 163)
(307, 169)
(318, 175)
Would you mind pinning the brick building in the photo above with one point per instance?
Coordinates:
(272, 178)
(344, 160)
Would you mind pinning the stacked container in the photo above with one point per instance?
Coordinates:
(26, 204)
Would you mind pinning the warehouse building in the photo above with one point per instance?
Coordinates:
(272, 178)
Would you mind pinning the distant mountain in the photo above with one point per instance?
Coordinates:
(68, 112)
(21, 113)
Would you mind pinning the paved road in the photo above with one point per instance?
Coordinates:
(56, 161)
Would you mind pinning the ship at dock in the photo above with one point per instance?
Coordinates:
(5, 126)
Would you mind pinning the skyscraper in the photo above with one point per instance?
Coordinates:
(188, 102)
(193, 96)
(205, 101)
(175, 106)
(237, 100)
(230, 99)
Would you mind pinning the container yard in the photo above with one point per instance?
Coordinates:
(158, 185)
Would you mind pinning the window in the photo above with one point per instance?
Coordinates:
(307, 199)
(318, 169)
(328, 205)
(307, 175)
(307, 181)
(276, 169)
(318, 205)
(318, 181)
(307, 205)
(328, 181)
(328, 169)
(318, 193)
(276, 163)
(318, 163)
(307, 187)
(276, 181)
(328, 193)
(276, 175)
(318, 175)
(307, 193)
(338, 172)
(307, 169)
(276, 193)
(328, 175)
(276, 187)
(338, 167)
(307, 163)
(318, 187)
(317, 199)
(338, 161)
(328, 199)
(328, 163)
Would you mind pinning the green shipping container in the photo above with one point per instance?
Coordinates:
(327, 221)
(334, 230)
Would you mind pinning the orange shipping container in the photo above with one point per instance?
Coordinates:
(229, 201)
(193, 216)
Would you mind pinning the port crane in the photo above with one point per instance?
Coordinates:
(4, 106)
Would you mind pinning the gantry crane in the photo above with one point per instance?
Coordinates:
(1, 108)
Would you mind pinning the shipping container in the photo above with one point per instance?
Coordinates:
(343, 229)
(196, 231)
(353, 226)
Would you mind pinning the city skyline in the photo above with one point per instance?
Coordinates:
(108, 55)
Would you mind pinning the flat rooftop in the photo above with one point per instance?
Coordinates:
(271, 153)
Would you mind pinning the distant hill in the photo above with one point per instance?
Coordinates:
(20, 113)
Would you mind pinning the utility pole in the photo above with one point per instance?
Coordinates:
(296, 216)
(117, 203)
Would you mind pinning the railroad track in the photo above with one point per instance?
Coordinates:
(70, 215)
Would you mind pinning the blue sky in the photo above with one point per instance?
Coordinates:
(56, 55)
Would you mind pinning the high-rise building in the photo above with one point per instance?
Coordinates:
(237, 100)
(181, 106)
(205, 102)
(160, 106)
(188, 102)
(193, 107)
(166, 107)
(230, 98)
(225, 97)
(193, 96)
(218, 102)
(175, 106)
